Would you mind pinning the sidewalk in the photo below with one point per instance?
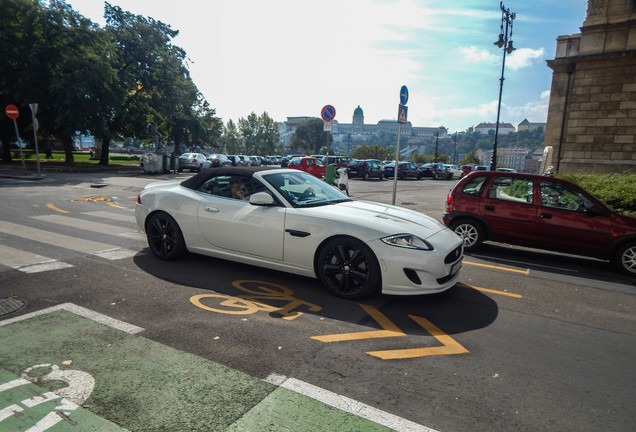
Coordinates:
(15, 170)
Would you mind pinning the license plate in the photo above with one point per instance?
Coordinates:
(455, 267)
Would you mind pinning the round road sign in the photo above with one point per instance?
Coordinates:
(328, 113)
(12, 111)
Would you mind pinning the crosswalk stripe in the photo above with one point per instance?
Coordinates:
(28, 262)
(55, 239)
(78, 223)
(123, 217)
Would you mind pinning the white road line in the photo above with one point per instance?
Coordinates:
(112, 215)
(28, 262)
(78, 223)
(81, 311)
(58, 240)
(346, 404)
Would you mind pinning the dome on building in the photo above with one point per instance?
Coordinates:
(358, 111)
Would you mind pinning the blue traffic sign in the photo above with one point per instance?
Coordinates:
(404, 95)
(328, 113)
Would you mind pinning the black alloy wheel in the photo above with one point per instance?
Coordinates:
(348, 268)
(164, 237)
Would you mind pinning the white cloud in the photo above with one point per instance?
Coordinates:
(475, 54)
(524, 57)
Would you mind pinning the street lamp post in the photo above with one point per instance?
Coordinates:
(505, 42)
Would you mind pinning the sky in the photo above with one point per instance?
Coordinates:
(290, 58)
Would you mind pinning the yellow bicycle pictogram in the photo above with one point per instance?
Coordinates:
(261, 294)
(96, 199)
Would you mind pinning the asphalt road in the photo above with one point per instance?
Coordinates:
(528, 341)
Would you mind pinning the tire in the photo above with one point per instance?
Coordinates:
(381, 176)
(165, 237)
(470, 231)
(348, 268)
(625, 258)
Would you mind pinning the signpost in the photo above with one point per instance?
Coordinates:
(328, 113)
(402, 112)
(13, 113)
(34, 110)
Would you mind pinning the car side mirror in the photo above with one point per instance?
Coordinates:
(596, 211)
(261, 199)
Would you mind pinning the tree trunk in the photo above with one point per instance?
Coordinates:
(103, 160)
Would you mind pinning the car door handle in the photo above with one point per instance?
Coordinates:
(490, 207)
(546, 215)
(212, 209)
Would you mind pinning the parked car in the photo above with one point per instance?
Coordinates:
(255, 160)
(193, 162)
(284, 162)
(405, 170)
(507, 170)
(245, 160)
(308, 164)
(340, 161)
(455, 172)
(296, 223)
(235, 160)
(219, 160)
(540, 212)
(467, 169)
(365, 169)
(436, 171)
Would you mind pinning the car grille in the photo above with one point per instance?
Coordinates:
(454, 255)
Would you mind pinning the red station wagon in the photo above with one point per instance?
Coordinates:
(540, 212)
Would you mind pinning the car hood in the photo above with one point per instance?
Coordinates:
(383, 218)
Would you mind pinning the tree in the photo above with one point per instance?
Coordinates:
(470, 158)
(309, 137)
(259, 134)
(232, 139)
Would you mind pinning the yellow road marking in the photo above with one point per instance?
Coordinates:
(497, 267)
(52, 207)
(492, 291)
(115, 205)
(449, 345)
(390, 329)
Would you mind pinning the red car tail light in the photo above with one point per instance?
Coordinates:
(449, 203)
(138, 198)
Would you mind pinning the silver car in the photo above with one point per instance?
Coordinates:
(193, 162)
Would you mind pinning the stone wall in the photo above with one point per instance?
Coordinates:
(592, 113)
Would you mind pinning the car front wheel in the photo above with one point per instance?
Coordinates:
(625, 258)
(470, 231)
(348, 268)
(164, 237)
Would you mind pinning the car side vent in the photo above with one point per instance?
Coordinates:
(454, 255)
(412, 275)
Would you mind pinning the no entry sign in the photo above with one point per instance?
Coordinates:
(12, 111)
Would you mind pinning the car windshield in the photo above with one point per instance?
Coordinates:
(304, 190)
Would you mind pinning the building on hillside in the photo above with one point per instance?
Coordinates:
(592, 111)
(343, 132)
(486, 128)
(521, 159)
(525, 125)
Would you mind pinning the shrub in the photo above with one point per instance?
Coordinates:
(616, 190)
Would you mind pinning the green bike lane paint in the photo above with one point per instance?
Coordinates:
(69, 369)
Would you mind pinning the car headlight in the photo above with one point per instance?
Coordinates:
(409, 241)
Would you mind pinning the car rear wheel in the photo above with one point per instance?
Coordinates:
(625, 258)
(470, 231)
(164, 237)
(348, 268)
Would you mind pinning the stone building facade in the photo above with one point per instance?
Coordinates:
(591, 123)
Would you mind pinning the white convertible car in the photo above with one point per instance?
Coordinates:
(288, 220)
